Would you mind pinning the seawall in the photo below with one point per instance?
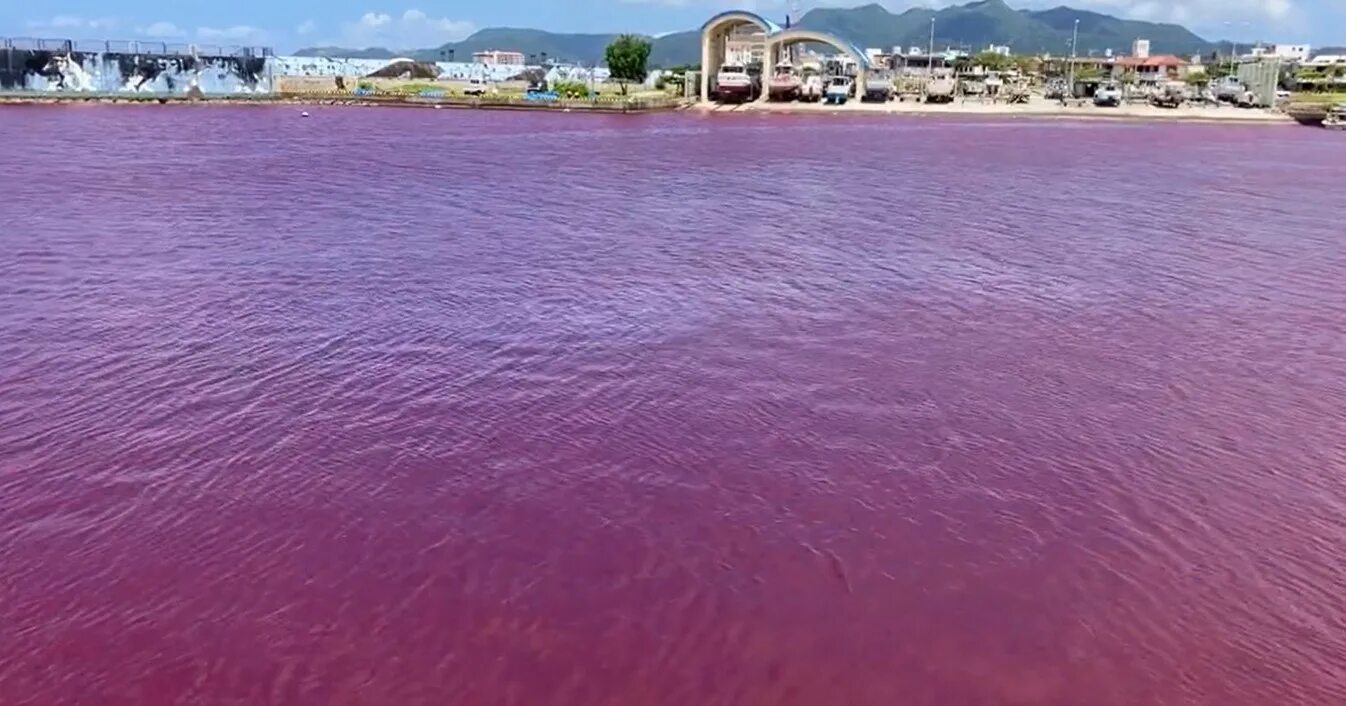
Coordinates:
(60, 66)
(131, 67)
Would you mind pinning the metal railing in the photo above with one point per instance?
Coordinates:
(135, 47)
(435, 96)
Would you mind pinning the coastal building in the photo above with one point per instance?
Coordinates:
(1154, 69)
(1327, 60)
(746, 45)
(1140, 49)
(1151, 70)
(999, 49)
(1289, 52)
(497, 57)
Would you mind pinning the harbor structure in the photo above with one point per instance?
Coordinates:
(719, 35)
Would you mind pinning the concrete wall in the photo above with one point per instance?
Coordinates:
(45, 65)
(44, 70)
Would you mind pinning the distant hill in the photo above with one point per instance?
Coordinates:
(342, 53)
(566, 47)
(979, 24)
(973, 26)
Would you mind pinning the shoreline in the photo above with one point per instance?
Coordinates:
(608, 106)
(1037, 109)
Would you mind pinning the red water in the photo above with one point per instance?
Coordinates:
(412, 407)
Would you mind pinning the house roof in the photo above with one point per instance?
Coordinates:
(1165, 60)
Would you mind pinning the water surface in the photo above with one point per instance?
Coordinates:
(401, 407)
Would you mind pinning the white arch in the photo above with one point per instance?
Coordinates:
(739, 17)
(712, 39)
(778, 41)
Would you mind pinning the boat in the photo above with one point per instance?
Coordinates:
(811, 88)
(941, 87)
(1229, 89)
(1171, 94)
(1335, 119)
(878, 88)
(733, 82)
(1016, 91)
(1310, 114)
(785, 82)
(839, 90)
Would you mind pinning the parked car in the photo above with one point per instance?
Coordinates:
(1108, 95)
(811, 87)
(839, 90)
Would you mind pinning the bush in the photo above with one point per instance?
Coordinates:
(571, 89)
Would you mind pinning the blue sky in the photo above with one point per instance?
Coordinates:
(288, 24)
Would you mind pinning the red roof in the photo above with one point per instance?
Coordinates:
(1164, 60)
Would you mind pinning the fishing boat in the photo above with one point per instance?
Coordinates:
(1310, 114)
(878, 88)
(785, 82)
(941, 87)
(1335, 119)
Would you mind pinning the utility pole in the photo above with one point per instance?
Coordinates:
(1074, 42)
(930, 56)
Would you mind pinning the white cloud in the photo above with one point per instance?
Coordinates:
(413, 29)
(161, 29)
(243, 34)
(72, 24)
(306, 27)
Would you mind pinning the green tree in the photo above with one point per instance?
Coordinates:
(1028, 64)
(627, 58)
(992, 61)
(1088, 72)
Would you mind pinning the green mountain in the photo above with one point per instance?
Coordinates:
(972, 26)
(343, 53)
(978, 24)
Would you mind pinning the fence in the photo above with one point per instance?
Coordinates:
(447, 98)
(132, 47)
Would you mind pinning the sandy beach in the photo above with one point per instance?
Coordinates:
(1037, 108)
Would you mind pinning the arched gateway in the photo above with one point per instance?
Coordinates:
(715, 33)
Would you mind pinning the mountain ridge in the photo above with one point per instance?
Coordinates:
(972, 26)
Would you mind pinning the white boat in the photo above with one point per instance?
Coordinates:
(785, 82)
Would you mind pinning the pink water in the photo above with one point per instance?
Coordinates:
(400, 407)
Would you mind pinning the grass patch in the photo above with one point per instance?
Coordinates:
(1305, 97)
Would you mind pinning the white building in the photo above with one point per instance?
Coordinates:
(1289, 52)
(746, 45)
(1140, 49)
(496, 57)
(999, 49)
(1327, 60)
